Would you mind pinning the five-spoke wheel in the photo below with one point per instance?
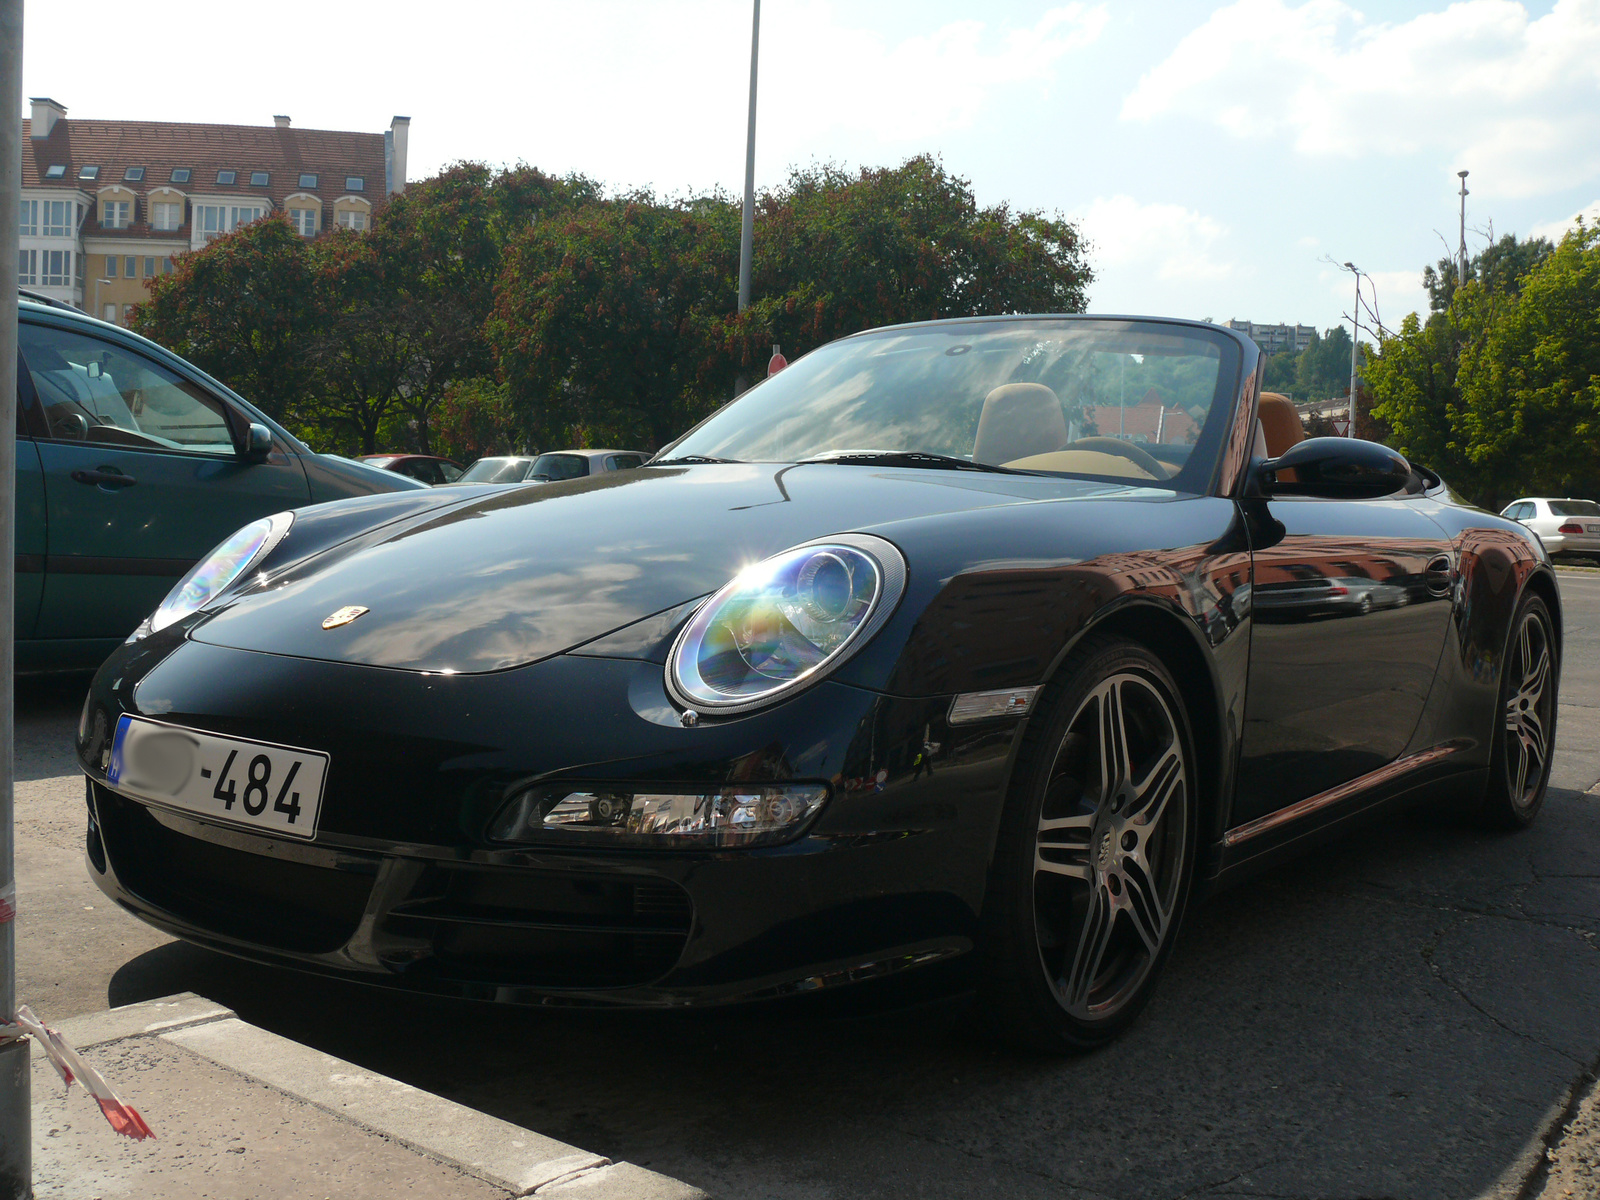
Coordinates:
(1525, 735)
(1092, 872)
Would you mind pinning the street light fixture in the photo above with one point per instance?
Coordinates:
(1461, 276)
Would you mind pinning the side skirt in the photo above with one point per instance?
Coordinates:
(1427, 775)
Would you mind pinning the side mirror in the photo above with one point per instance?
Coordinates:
(1335, 468)
(257, 443)
(72, 425)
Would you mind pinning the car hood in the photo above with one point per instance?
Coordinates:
(517, 574)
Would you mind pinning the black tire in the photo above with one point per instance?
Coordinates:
(1525, 719)
(1087, 891)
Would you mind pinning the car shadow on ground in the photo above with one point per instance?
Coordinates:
(1401, 1014)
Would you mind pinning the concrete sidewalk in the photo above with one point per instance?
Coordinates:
(243, 1114)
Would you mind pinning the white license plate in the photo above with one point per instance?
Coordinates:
(276, 789)
(1592, 527)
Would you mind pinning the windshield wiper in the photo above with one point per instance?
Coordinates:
(689, 458)
(913, 458)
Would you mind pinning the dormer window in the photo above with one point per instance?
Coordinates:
(88, 172)
(227, 177)
(308, 181)
(259, 178)
(180, 174)
(355, 183)
(56, 171)
(134, 175)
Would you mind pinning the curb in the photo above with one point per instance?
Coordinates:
(516, 1160)
(1575, 570)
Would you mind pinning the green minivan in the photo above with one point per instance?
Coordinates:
(131, 465)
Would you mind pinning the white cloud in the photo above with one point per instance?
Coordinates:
(1480, 84)
(907, 91)
(1165, 241)
(1554, 229)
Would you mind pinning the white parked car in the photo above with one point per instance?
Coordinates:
(1564, 526)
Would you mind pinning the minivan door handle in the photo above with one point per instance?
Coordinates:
(106, 477)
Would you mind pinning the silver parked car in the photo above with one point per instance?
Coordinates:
(575, 464)
(1564, 526)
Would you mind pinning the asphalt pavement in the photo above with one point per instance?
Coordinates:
(1411, 1012)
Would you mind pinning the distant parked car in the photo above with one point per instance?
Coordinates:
(131, 466)
(1564, 526)
(575, 464)
(509, 468)
(427, 468)
(547, 468)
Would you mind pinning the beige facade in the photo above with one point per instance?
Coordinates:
(109, 205)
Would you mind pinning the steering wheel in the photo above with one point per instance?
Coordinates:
(1128, 450)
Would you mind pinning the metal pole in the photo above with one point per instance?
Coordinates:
(747, 230)
(1355, 341)
(16, 1137)
(1461, 275)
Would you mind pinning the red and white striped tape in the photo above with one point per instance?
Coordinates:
(124, 1117)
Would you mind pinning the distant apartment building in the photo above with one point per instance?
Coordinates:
(1274, 339)
(106, 204)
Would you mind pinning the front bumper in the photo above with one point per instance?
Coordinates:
(400, 887)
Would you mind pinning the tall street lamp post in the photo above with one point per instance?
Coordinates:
(748, 227)
(1461, 274)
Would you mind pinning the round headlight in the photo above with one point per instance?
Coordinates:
(785, 622)
(215, 573)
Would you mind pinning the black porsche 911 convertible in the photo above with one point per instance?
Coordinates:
(931, 657)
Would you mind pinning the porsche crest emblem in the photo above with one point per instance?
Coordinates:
(343, 616)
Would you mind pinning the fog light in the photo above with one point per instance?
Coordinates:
(736, 815)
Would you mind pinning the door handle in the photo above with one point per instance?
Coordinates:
(105, 477)
(1440, 574)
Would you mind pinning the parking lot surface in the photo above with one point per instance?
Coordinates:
(1411, 1012)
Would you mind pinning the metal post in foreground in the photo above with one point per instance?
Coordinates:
(748, 227)
(1461, 275)
(1355, 342)
(16, 1138)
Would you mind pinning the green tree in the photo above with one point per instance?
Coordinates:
(1501, 391)
(243, 309)
(1322, 370)
(1283, 372)
(1498, 268)
(620, 316)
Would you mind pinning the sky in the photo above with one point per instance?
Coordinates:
(1219, 159)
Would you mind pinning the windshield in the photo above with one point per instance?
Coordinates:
(495, 470)
(1141, 401)
(1574, 508)
(559, 466)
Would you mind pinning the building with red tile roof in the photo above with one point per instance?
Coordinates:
(106, 204)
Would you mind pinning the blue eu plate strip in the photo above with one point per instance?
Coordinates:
(115, 771)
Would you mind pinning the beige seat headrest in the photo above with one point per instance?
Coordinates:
(1019, 420)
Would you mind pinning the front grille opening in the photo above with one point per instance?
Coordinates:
(268, 901)
(544, 928)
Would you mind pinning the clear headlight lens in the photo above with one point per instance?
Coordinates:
(214, 574)
(735, 815)
(783, 622)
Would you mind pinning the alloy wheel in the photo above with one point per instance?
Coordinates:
(1109, 854)
(1528, 715)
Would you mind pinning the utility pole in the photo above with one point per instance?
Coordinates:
(1355, 342)
(747, 226)
(16, 1136)
(1461, 271)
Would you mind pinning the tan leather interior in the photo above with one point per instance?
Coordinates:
(1019, 420)
(1082, 462)
(1280, 424)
